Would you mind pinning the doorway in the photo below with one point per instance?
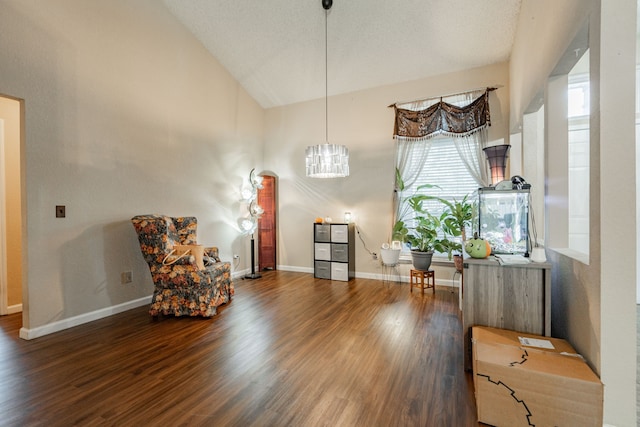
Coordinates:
(267, 224)
(11, 212)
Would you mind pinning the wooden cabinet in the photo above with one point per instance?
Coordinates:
(334, 254)
(515, 297)
(267, 230)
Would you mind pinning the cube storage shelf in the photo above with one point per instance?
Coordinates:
(334, 251)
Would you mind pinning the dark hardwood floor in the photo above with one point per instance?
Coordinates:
(289, 350)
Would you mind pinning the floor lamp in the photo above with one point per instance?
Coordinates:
(253, 274)
(250, 224)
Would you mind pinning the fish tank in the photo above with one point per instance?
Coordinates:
(503, 220)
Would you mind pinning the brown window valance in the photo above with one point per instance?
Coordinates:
(443, 118)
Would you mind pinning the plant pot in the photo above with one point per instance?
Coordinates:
(421, 260)
(458, 263)
(390, 256)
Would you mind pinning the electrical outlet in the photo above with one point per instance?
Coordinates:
(60, 211)
(375, 256)
(126, 277)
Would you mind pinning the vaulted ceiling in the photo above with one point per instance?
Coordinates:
(276, 48)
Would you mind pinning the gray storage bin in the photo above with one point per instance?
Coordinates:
(340, 252)
(323, 269)
(322, 232)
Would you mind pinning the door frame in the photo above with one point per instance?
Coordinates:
(4, 292)
(275, 222)
(12, 137)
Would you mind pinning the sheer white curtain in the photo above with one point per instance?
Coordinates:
(411, 156)
(470, 150)
(412, 153)
(470, 146)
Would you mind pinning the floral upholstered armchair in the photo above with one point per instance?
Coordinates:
(182, 288)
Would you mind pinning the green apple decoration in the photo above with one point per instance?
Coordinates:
(477, 247)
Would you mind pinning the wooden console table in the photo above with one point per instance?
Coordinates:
(514, 296)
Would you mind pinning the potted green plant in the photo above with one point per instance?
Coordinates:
(453, 248)
(458, 215)
(423, 236)
(409, 208)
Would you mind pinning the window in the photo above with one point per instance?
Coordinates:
(439, 142)
(578, 165)
(567, 109)
(445, 169)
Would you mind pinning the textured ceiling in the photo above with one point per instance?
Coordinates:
(276, 48)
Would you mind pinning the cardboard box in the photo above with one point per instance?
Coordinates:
(519, 385)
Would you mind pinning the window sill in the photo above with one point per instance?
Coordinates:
(442, 261)
(571, 253)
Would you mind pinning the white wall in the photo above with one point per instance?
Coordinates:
(364, 123)
(617, 45)
(593, 304)
(126, 113)
(533, 166)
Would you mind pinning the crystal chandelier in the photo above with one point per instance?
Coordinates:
(327, 160)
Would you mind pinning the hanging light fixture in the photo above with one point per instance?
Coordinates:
(497, 157)
(327, 160)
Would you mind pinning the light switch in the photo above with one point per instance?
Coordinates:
(60, 211)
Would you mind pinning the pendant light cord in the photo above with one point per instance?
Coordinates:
(326, 77)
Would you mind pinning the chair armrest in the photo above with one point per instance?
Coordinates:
(212, 252)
